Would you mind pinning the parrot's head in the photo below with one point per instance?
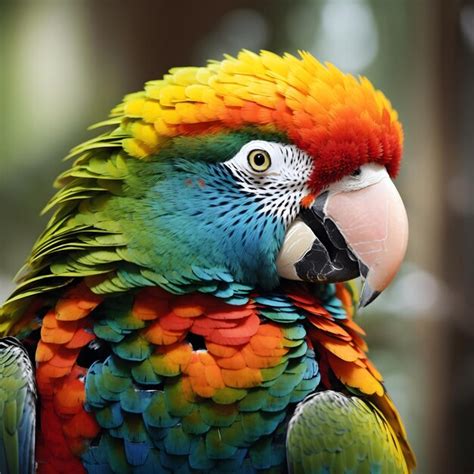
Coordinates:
(259, 168)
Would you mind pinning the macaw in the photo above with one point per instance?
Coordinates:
(189, 306)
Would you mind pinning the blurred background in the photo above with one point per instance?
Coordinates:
(65, 64)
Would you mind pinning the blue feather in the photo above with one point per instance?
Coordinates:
(152, 465)
(110, 416)
(134, 400)
(136, 453)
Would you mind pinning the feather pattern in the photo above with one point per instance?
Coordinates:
(17, 408)
(164, 339)
(192, 382)
(365, 441)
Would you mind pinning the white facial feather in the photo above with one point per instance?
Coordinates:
(281, 187)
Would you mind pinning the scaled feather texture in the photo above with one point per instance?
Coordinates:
(164, 338)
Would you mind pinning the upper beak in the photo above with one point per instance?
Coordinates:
(347, 234)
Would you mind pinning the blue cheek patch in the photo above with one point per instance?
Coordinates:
(214, 224)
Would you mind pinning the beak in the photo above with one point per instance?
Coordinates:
(346, 234)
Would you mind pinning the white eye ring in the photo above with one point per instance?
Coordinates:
(259, 160)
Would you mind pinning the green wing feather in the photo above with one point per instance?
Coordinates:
(80, 240)
(331, 433)
(17, 409)
(88, 235)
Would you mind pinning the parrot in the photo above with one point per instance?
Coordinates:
(190, 305)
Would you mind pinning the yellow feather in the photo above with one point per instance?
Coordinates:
(222, 91)
(171, 94)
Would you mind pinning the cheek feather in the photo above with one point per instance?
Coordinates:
(278, 192)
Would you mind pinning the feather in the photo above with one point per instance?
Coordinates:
(214, 414)
(135, 401)
(110, 416)
(157, 353)
(177, 441)
(152, 465)
(134, 348)
(156, 414)
(144, 374)
(17, 408)
(136, 453)
(199, 458)
(216, 448)
(194, 423)
(341, 432)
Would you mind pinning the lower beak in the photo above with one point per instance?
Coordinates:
(344, 235)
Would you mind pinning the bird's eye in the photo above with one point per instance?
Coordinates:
(259, 160)
(356, 173)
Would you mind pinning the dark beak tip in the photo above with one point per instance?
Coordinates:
(368, 295)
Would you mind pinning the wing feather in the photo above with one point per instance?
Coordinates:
(334, 433)
(17, 409)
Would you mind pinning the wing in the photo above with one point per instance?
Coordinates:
(17, 409)
(343, 360)
(334, 433)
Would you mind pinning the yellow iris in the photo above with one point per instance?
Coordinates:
(259, 160)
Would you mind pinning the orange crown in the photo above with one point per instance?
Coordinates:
(340, 120)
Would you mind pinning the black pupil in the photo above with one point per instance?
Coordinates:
(356, 172)
(259, 159)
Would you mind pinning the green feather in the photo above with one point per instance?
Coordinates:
(260, 423)
(134, 400)
(271, 374)
(331, 432)
(255, 400)
(105, 332)
(116, 455)
(194, 423)
(294, 332)
(17, 408)
(199, 458)
(177, 441)
(113, 383)
(133, 429)
(228, 395)
(143, 373)
(118, 367)
(276, 404)
(110, 416)
(261, 453)
(133, 347)
(156, 413)
(281, 316)
(217, 415)
(161, 367)
(176, 403)
(287, 381)
(216, 447)
(94, 397)
(235, 435)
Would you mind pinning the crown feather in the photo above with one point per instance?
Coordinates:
(340, 120)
